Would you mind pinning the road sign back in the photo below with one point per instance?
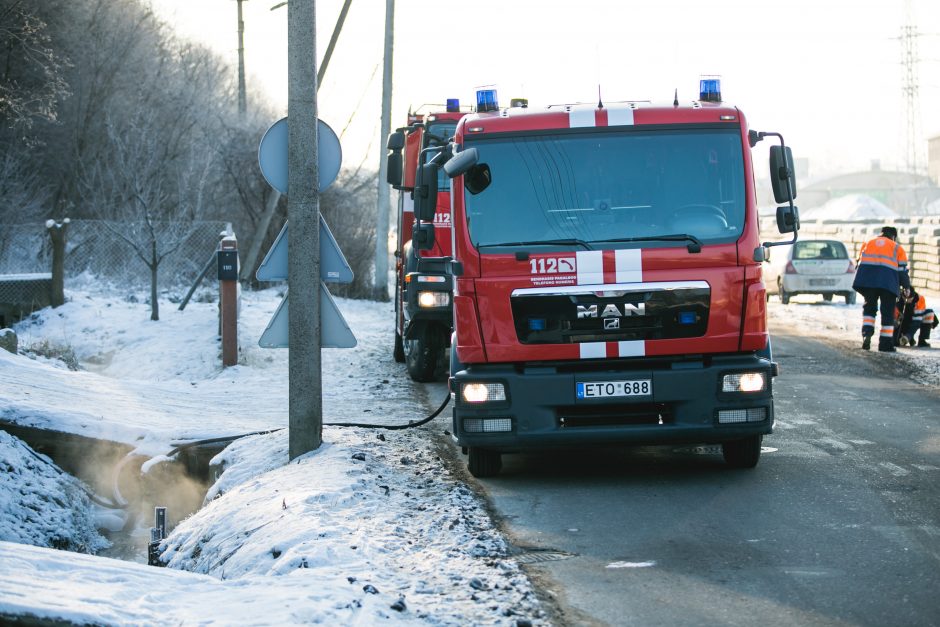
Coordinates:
(333, 265)
(272, 155)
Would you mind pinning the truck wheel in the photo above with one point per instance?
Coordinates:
(827, 297)
(850, 298)
(424, 353)
(483, 462)
(784, 295)
(742, 453)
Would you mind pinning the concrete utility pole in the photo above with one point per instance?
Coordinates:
(303, 243)
(242, 96)
(271, 205)
(380, 291)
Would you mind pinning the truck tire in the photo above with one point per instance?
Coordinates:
(850, 298)
(424, 353)
(742, 453)
(784, 295)
(483, 462)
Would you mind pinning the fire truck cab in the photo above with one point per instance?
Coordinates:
(423, 290)
(608, 281)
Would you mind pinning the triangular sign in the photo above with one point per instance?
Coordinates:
(333, 265)
(334, 332)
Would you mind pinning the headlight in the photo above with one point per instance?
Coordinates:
(743, 382)
(433, 299)
(482, 392)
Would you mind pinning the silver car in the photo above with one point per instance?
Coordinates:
(812, 266)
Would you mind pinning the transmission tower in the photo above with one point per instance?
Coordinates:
(910, 87)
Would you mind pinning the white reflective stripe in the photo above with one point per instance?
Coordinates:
(593, 350)
(629, 265)
(579, 118)
(408, 203)
(620, 117)
(590, 267)
(635, 348)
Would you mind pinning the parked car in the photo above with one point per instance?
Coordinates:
(811, 266)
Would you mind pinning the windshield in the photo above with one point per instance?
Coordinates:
(443, 131)
(599, 187)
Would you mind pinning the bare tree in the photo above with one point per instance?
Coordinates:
(31, 80)
(155, 205)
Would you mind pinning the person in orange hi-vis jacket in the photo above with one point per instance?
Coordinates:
(882, 271)
(918, 319)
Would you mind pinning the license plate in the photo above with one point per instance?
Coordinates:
(610, 389)
(826, 282)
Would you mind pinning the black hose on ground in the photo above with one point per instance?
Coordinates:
(232, 438)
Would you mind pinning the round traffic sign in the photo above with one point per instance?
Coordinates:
(272, 155)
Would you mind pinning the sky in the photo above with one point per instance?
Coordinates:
(825, 73)
(338, 536)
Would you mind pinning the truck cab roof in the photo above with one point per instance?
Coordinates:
(584, 115)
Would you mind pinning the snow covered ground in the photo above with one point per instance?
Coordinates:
(375, 526)
(372, 527)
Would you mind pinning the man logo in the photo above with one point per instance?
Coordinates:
(611, 323)
(612, 311)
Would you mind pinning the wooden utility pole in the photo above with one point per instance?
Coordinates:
(380, 291)
(303, 213)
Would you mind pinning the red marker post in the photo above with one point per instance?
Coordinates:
(227, 258)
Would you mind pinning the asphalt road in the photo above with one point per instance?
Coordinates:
(839, 524)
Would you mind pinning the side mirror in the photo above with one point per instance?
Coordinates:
(426, 193)
(461, 162)
(395, 143)
(422, 238)
(788, 219)
(782, 174)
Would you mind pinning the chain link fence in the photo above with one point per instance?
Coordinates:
(99, 250)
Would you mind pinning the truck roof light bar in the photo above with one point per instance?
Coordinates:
(453, 105)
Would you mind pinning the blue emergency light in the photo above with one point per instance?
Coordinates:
(536, 324)
(709, 89)
(453, 105)
(486, 100)
(687, 317)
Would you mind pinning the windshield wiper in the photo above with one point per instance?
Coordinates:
(695, 245)
(547, 242)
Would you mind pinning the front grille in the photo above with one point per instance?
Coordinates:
(565, 317)
(614, 415)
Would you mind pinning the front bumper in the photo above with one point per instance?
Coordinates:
(543, 410)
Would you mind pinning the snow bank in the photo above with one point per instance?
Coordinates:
(40, 504)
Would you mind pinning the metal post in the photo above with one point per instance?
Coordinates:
(228, 299)
(383, 206)
(303, 213)
(157, 535)
(242, 97)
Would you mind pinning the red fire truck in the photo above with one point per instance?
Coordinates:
(423, 291)
(608, 276)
